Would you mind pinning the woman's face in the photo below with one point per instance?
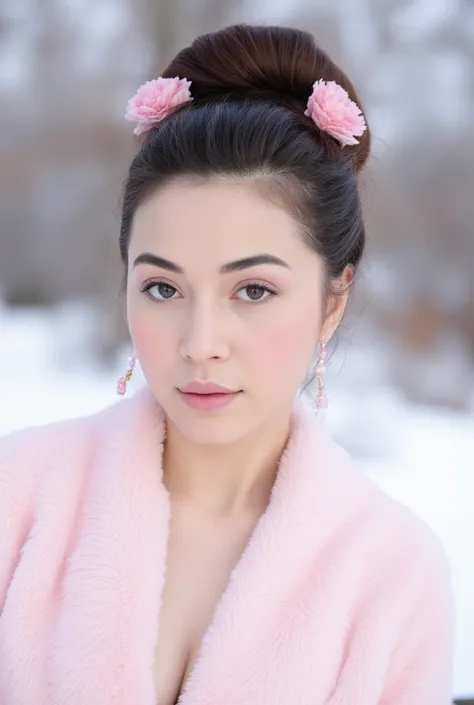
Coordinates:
(198, 315)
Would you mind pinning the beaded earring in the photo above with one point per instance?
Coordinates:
(123, 381)
(320, 369)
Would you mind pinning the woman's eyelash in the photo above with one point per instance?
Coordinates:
(149, 284)
(260, 285)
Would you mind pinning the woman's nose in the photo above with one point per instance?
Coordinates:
(204, 337)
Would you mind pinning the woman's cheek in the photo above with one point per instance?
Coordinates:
(144, 330)
(286, 345)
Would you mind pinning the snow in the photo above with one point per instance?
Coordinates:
(420, 456)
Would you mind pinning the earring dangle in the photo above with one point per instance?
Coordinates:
(320, 369)
(123, 381)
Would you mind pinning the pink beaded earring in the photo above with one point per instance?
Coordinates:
(320, 369)
(123, 381)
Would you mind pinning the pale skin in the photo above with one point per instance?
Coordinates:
(207, 325)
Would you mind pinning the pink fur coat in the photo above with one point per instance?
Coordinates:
(342, 596)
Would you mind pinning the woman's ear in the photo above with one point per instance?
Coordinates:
(337, 302)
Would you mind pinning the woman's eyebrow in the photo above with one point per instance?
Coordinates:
(237, 265)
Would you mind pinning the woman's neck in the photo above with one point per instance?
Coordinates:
(225, 479)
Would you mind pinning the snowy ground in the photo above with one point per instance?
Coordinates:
(423, 457)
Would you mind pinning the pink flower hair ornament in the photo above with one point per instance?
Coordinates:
(330, 107)
(155, 99)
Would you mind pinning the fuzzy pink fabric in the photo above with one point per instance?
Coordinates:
(342, 597)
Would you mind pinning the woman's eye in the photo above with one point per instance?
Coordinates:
(256, 292)
(162, 291)
(165, 291)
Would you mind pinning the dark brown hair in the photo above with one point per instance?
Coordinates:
(250, 86)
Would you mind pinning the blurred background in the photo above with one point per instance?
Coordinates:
(401, 374)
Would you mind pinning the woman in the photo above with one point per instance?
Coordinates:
(205, 541)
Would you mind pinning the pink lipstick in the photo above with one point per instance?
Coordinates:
(207, 396)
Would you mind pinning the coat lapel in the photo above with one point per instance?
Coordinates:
(108, 621)
(104, 644)
(238, 662)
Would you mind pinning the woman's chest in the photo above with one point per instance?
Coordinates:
(200, 559)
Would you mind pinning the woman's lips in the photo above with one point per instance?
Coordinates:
(207, 402)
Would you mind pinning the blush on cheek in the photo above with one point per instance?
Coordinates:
(285, 348)
(156, 347)
(145, 340)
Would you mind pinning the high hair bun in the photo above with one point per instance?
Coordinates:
(266, 63)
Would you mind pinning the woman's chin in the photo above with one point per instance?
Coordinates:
(215, 426)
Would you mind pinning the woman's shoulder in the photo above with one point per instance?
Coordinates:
(408, 545)
(388, 531)
(44, 438)
(405, 546)
(384, 536)
(29, 456)
(34, 443)
(400, 565)
(377, 520)
(33, 456)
